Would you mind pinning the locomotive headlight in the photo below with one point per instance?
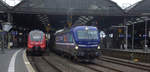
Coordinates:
(98, 47)
(76, 47)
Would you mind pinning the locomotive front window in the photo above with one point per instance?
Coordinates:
(87, 34)
(36, 36)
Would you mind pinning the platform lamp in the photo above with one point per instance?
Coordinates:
(6, 26)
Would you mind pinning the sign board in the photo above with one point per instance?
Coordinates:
(6, 26)
(3, 33)
(14, 33)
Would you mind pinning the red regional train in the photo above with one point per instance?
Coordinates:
(36, 42)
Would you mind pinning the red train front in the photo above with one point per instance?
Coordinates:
(36, 42)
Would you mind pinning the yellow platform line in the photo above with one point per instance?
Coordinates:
(27, 63)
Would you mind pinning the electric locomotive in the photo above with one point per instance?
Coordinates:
(36, 42)
(80, 42)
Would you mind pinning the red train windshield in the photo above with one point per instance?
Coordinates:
(36, 36)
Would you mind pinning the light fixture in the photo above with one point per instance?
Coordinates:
(86, 28)
(76, 47)
(98, 47)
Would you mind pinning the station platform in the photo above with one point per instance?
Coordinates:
(13, 60)
(143, 55)
(134, 50)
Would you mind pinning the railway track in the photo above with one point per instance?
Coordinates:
(35, 66)
(42, 65)
(66, 65)
(109, 68)
(97, 67)
(126, 63)
(56, 63)
(100, 68)
(91, 68)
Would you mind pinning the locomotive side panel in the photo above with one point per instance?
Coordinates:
(82, 42)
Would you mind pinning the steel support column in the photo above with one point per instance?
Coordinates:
(145, 41)
(132, 37)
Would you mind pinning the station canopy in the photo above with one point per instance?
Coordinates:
(74, 7)
(3, 7)
(141, 8)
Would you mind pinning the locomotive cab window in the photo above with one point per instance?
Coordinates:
(87, 34)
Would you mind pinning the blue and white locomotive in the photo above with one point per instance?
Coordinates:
(82, 42)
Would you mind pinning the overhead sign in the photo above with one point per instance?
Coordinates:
(3, 33)
(14, 33)
(6, 26)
